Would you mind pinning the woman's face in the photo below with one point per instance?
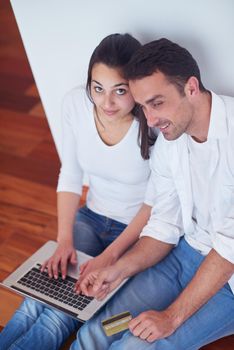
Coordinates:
(110, 93)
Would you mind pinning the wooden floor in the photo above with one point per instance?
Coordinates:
(29, 165)
(28, 161)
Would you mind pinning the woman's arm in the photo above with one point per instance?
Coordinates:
(130, 235)
(116, 249)
(67, 204)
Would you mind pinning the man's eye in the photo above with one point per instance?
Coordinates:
(120, 91)
(157, 104)
(98, 89)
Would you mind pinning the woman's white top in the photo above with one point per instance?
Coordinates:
(118, 175)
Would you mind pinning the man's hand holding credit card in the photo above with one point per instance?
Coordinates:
(116, 323)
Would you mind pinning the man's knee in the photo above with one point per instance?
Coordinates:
(91, 336)
(129, 341)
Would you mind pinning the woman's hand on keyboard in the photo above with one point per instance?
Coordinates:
(64, 254)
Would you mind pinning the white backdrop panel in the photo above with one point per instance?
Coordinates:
(60, 35)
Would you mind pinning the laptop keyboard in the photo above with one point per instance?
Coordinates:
(57, 289)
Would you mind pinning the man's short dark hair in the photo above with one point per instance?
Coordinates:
(162, 55)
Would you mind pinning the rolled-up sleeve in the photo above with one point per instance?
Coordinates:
(150, 194)
(165, 223)
(223, 239)
(224, 242)
(71, 174)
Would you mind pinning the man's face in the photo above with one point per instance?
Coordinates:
(163, 105)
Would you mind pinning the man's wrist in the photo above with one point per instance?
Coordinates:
(174, 316)
(124, 268)
(111, 254)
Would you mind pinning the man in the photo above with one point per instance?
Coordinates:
(183, 298)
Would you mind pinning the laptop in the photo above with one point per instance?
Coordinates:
(29, 281)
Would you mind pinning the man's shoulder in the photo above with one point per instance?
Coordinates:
(229, 99)
(169, 149)
(229, 105)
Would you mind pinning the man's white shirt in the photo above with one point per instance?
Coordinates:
(195, 187)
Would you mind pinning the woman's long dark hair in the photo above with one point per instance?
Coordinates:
(146, 138)
(115, 51)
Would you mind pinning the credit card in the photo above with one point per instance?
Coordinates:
(116, 323)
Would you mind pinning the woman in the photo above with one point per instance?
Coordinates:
(101, 140)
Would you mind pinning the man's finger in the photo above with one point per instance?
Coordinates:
(83, 267)
(145, 333)
(85, 286)
(151, 338)
(138, 329)
(102, 294)
(77, 288)
(133, 323)
(99, 282)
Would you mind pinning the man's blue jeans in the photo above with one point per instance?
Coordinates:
(155, 289)
(35, 326)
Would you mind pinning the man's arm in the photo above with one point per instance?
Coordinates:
(145, 253)
(213, 273)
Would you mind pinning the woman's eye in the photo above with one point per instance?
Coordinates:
(98, 89)
(120, 91)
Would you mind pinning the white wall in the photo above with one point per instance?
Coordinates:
(60, 35)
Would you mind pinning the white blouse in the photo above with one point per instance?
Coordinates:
(118, 175)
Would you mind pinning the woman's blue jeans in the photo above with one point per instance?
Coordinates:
(35, 326)
(155, 289)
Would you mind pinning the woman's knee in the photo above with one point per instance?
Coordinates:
(31, 308)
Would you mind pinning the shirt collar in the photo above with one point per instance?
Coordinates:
(218, 118)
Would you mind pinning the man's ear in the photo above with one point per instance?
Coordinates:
(191, 88)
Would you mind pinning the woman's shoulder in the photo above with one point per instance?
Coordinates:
(77, 95)
(77, 100)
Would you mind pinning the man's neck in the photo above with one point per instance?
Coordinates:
(202, 111)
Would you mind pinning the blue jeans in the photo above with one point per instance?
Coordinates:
(155, 289)
(36, 326)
